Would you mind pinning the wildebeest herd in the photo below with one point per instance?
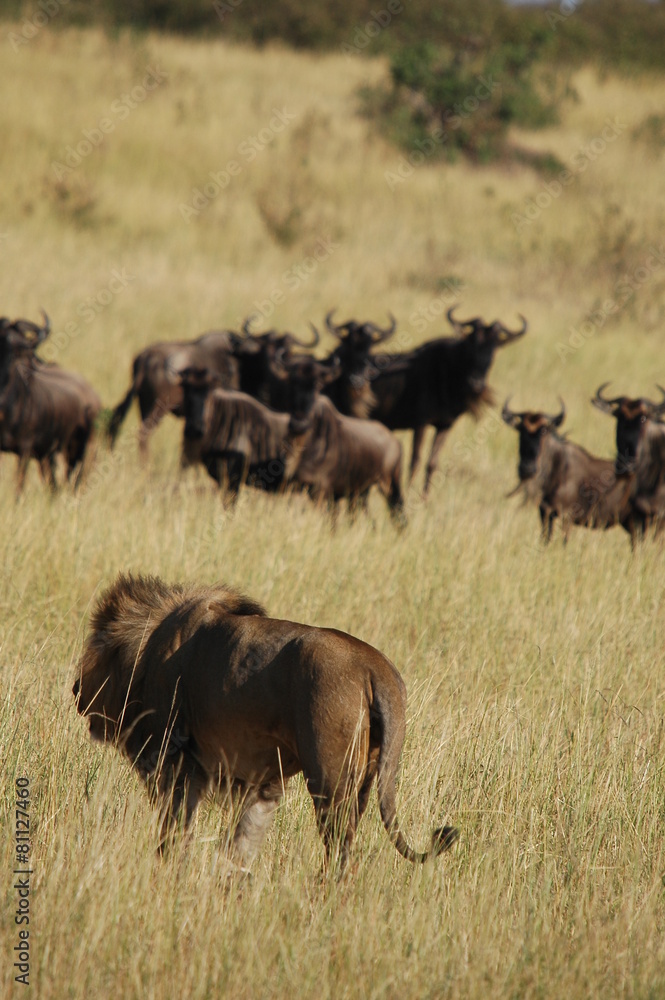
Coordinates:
(197, 686)
(260, 410)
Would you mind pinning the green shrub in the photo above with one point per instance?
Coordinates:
(466, 101)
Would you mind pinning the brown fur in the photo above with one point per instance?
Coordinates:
(200, 689)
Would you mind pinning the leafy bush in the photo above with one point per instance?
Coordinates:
(464, 101)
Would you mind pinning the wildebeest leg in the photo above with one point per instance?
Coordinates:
(47, 469)
(21, 471)
(233, 476)
(395, 498)
(358, 501)
(440, 436)
(256, 812)
(546, 521)
(151, 416)
(418, 435)
(79, 454)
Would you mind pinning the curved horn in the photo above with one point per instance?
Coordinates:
(455, 323)
(383, 334)
(514, 334)
(659, 407)
(24, 326)
(459, 325)
(507, 415)
(47, 324)
(247, 324)
(604, 404)
(335, 330)
(312, 344)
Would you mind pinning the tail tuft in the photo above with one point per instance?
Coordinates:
(443, 839)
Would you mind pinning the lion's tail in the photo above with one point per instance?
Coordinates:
(393, 728)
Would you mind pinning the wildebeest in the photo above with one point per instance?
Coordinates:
(44, 411)
(156, 382)
(437, 382)
(235, 436)
(351, 391)
(257, 357)
(314, 446)
(240, 361)
(200, 690)
(640, 441)
(564, 479)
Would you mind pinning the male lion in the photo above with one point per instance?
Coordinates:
(200, 689)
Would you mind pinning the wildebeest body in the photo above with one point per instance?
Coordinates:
(156, 378)
(436, 383)
(44, 411)
(565, 480)
(315, 446)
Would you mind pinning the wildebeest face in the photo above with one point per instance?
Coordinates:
(306, 379)
(631, 420)
(356, 341)
(482, 340)
(532, 428)
(304, 388)
(532, 431)
(19, 338)
(196, 385)
(632, 416)
(482, 344)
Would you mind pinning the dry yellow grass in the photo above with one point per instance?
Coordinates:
(535, 676)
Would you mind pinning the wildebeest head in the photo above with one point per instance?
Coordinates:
(532, 428)
(196, 385)
(306, 378)
(257, 354)
(272, 341)
(19, 337)
(356, 341)
(632, 416)
(482, 340)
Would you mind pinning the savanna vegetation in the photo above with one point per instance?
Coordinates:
(154, 187)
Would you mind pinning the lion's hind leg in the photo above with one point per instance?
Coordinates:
(339, 809)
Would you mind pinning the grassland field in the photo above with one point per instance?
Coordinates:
(535, 675)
